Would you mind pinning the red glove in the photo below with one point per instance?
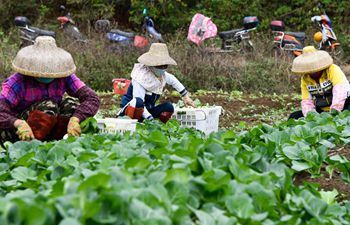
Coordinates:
(60, 129)
(41, 123)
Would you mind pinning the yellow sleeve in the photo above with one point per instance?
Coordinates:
(336, 75)
(304, 91)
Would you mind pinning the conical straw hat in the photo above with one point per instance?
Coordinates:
(311, 61)
(44, 59)
(157, 55)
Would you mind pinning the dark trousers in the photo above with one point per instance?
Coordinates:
(299, 114)
(138, 105)
(65, 109)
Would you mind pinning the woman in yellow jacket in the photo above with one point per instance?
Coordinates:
(323, 84)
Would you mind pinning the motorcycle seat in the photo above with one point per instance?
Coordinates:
(123, 33)
(229, 33)
(299, 35)
(42, 32)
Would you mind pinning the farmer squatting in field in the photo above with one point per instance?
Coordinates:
(148, 81)
(31, 101)
(324, 86)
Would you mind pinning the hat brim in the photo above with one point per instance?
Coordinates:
(40, 74)
(44, 59)
(311, 62)
(149, 59)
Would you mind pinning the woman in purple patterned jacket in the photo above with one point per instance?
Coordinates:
(31, 100)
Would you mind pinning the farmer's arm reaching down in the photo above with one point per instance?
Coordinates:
(175, 83)
(89, 101)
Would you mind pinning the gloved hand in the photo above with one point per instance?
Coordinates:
(73, 127)
(188, 101)
(24, 131)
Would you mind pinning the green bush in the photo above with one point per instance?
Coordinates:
(98, 62)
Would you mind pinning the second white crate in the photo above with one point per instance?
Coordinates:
(205, 119)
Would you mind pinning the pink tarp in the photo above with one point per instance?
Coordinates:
(201, 28)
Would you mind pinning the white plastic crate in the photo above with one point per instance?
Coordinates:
(205, 119)
(115, 125)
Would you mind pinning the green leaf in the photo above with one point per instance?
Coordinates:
(69, 221)
(292, 152)
(178, 175)
(57, 172)
(89, 126)
(204, 218)
(216, 179)
(138, 163)
(314, 206)
(327, 144)
(26, 159)
(329, 196)
(240, 205)
(56, 154)
(23, 174)
(95, 181)
(300, 166)
(37, 216)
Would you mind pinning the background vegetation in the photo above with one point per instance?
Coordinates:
(99, 62)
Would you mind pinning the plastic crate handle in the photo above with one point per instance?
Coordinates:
(205, 116)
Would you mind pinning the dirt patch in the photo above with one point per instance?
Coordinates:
(250, 109)
(343, 151)
(326, 183)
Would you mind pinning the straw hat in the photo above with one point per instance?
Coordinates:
(44, 59)
(311, 61)
(157, 55)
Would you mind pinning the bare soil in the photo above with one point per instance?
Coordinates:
(246, 108)
(327, 182)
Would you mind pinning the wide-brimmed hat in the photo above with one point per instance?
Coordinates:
(311, 61)
(44, 59)
(157, 55)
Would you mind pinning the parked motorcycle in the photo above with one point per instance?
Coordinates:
(326, 38)
(118, 36)
(69, 27)
(202, 28)
(239, 39)
(27, 33)
(149, 28)
(291, 43)
(130, 38)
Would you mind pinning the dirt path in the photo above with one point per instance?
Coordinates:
(251, 109)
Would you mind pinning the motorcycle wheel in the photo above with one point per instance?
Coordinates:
(75, 34)
(247, 46)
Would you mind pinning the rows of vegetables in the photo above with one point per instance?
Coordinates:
(163, 174)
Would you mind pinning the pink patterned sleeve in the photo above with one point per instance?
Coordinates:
(307, 105)
(340, 93)
(73, 84)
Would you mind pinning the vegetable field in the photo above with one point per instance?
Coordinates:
(164, 174)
